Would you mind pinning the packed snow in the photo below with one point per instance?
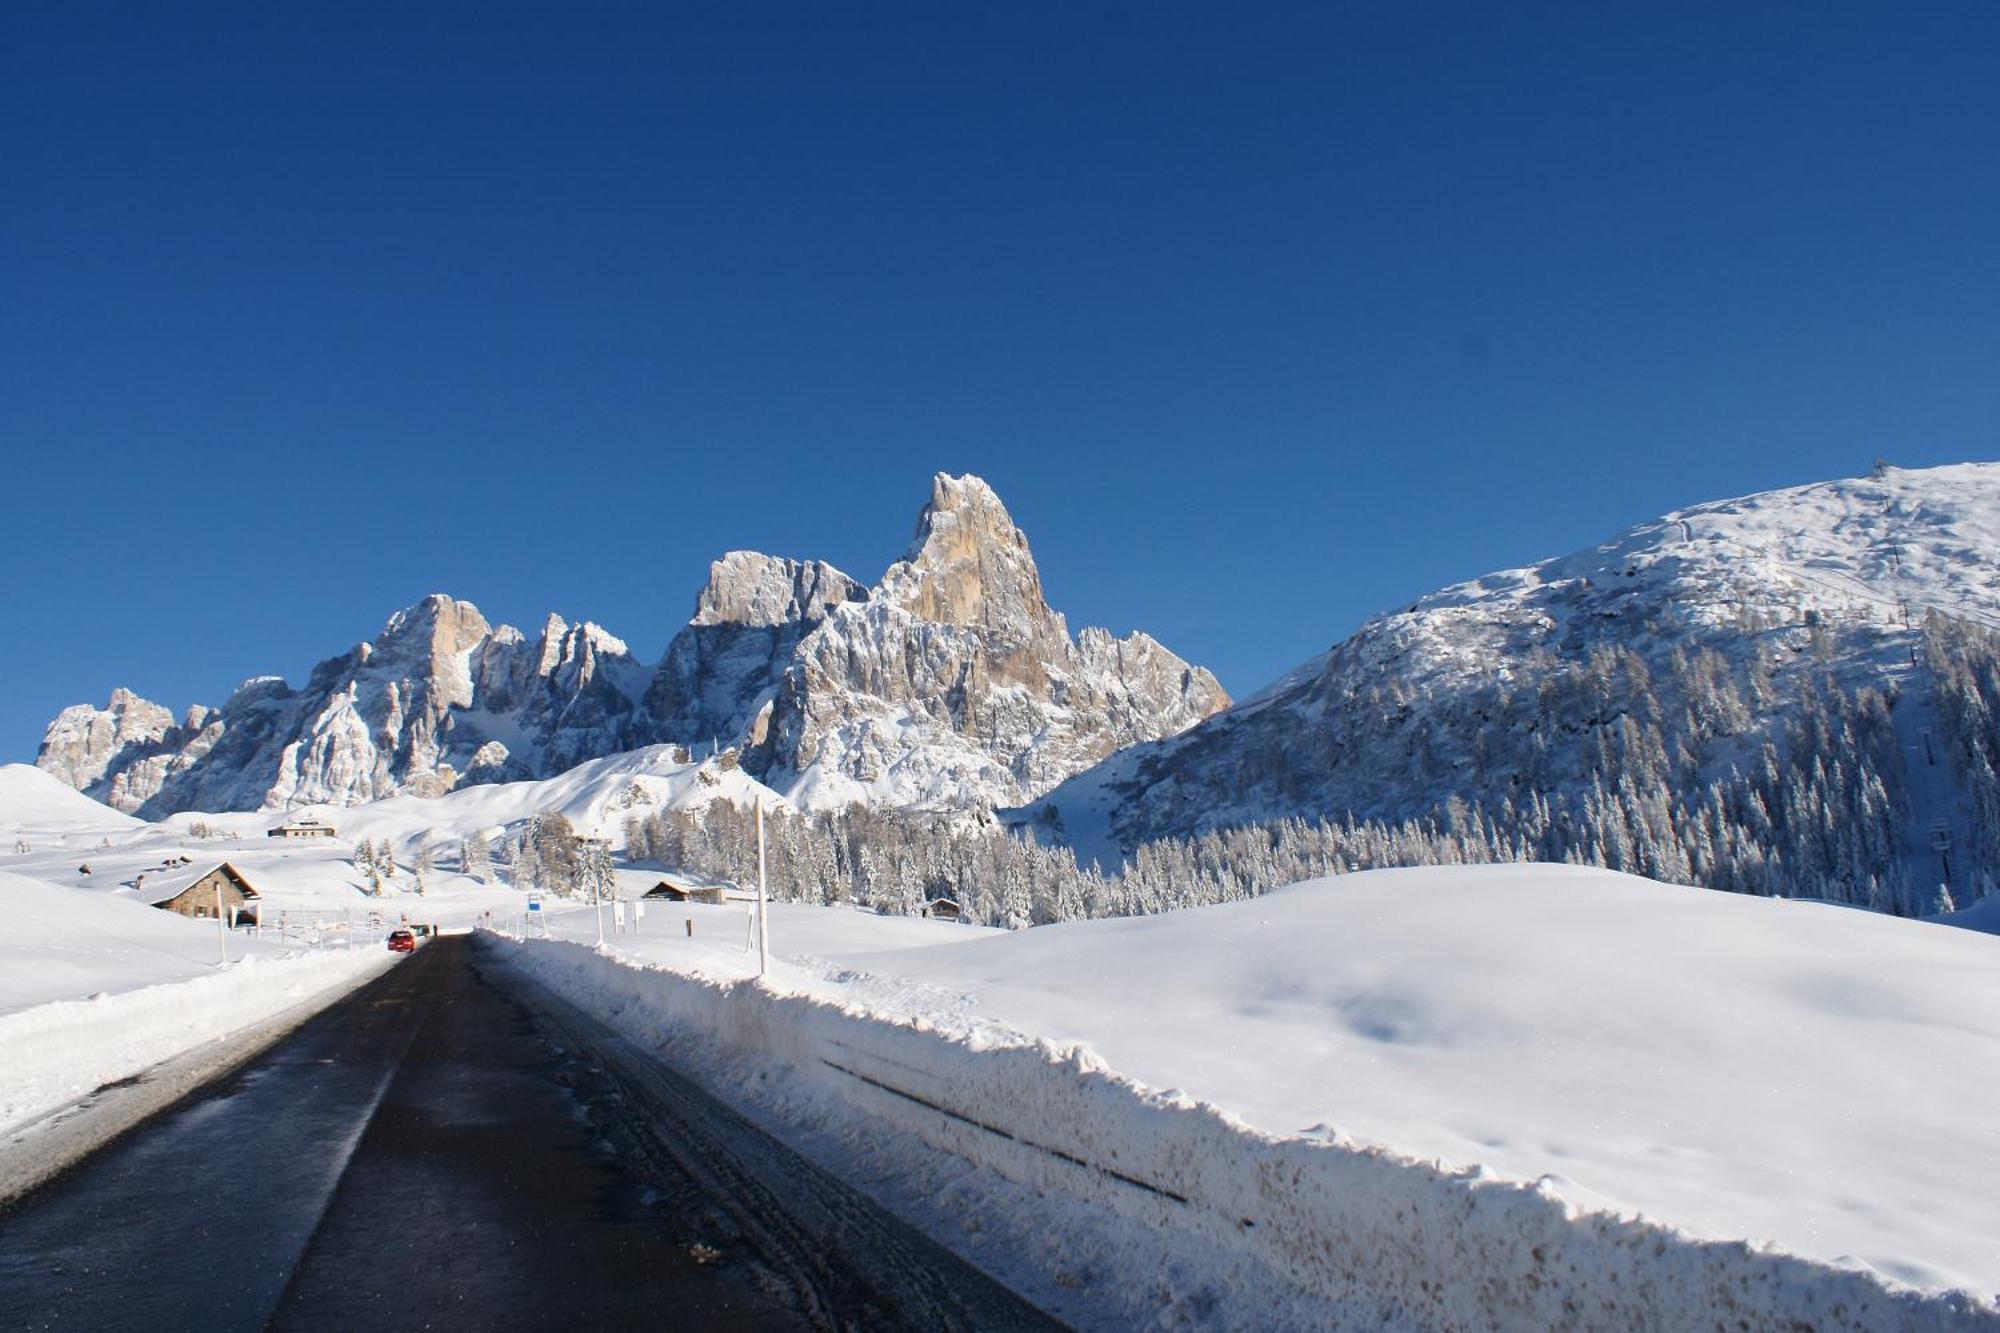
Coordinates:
(1813, 1077)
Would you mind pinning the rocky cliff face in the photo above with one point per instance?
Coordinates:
(421, 708)
(127, 750)
(725, 666)
(951, 682)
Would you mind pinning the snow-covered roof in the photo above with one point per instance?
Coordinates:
(163, 885)
(638, 883)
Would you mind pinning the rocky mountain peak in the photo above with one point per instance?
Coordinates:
(437, 627)
(951, 683)
(83, 742)
(752, 589)
(968, 564)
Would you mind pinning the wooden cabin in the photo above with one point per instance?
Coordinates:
(943, 909)
(691, 889)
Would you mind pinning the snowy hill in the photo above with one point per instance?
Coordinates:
(597, 797)
(1728, 1066)
(1551, 701)
(34, 805)
(61, 943)
(320, 875)
(1605, 1041)
(951, 682)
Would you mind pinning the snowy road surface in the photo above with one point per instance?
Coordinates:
(433, 1152)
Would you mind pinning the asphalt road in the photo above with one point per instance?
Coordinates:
(452, 1148)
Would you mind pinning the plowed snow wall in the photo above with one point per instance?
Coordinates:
(1377, 1237)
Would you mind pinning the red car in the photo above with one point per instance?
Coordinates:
(402, 941)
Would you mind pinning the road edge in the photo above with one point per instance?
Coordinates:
(807, 1220)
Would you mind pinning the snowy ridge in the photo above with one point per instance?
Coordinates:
(1830, 580)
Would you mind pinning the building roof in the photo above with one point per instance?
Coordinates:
(313, 822)
(163, 885)
(639, 883)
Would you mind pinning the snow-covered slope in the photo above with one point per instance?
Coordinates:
(319, 875)
(60, 943)
(33, 804)
(1671, 653)
(1733, 1067)
(597, 797)
(950, 683)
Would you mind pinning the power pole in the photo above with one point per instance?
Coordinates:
(221, 925)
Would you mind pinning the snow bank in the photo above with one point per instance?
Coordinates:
(1736, 1067)
(1116, 1205)
(53, 1054)
(153, 986)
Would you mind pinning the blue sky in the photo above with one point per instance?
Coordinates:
(1261, 318)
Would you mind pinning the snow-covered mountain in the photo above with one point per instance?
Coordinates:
(1663, 660)
(437, 698)
(951, 682)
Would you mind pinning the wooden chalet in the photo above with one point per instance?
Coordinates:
(679, 887)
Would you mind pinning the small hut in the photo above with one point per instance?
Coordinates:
(943, 909)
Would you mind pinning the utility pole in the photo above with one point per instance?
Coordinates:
(222, 925)
(763, 916)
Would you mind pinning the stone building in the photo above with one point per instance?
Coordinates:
(191, 891)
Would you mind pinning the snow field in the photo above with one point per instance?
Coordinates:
(1116, 1205)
